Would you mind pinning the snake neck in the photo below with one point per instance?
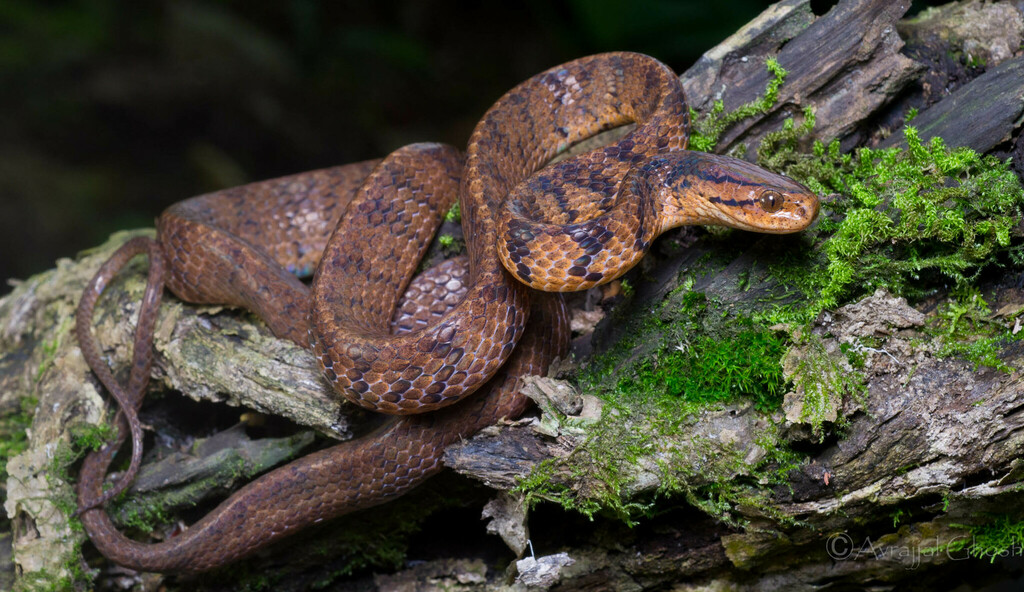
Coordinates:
(664, 185)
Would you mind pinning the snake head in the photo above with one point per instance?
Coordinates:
(724, 191)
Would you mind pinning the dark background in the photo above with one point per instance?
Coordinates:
(111, 110)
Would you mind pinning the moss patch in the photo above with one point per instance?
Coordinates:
(966, 327)
(454, 214)
(907, 220)
(450, 245)
(717, 357)
(655, 436)
(708, 127)
(1003, 536)
(822, 379)
(85, 437)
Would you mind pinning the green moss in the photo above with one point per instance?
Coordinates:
(983, 351)
(908, 220)
(371, 540)
(450, 245)
(627, 288)
(454, 214)
(704, 369)
(85, 437)
(708, 128)
(822, 380)
(655, 434)
(693, 348)
(44, 581)
(854, 356)
(1000, 537)
(145, 517)
(654, 393)
(965, 327)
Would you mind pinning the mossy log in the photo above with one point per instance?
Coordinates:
(886, 451)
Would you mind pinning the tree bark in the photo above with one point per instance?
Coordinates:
(931, 444)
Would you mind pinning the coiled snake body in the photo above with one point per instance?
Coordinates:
(405, 346)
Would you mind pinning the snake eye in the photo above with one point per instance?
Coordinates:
(771, 201)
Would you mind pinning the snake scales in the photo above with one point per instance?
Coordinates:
(405, 346)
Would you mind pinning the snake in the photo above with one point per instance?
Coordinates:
(417, 346)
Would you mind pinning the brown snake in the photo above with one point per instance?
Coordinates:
(400, 347)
